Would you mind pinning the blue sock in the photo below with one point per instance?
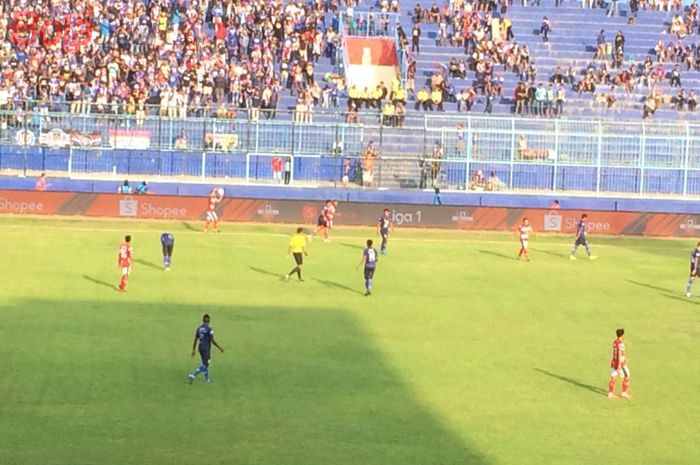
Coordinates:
(588, 250)
(369, 284)
(573, 251)
(206, 373)
(689, 286)
(198, 370)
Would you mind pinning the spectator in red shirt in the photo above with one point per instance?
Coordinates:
(277, 166)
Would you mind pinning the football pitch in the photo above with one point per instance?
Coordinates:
(463, 355)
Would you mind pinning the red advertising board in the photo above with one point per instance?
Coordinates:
(304, 212)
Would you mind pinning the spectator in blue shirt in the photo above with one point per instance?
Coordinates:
(540, 98)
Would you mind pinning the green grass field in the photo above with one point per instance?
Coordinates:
(462, 356)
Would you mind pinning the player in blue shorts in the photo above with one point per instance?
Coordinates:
(582, 238)
(694, 259)
(383, 227)
(205, 337)
(167, 240)
(369, 259)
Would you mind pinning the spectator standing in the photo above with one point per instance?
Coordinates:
(560, 99)
(620, 41)
(277, 166)
(545, 29)
(41, 183)
(415, 39)
(600, 45)
(287, 170)
(613, 10)
(368, 165)
(540, 99)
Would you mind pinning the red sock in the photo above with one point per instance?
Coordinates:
(625, 385)
(611, 384)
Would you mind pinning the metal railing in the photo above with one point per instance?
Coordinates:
(422, 151)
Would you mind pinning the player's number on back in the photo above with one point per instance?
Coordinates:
(371, 256)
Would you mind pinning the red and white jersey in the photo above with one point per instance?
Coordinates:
(329, 212)
(524, 232)
(126, 253)
(619, 358)
(214, 199)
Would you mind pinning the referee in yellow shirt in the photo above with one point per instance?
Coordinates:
(297, 247)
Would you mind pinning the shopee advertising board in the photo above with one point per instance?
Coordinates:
(303, 212)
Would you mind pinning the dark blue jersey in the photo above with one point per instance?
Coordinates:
(204, 335)
(384, 223)
(581, 228)
(167, 239)
(694, 259)
(370, 255)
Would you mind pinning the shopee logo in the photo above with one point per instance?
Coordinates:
(10, 206)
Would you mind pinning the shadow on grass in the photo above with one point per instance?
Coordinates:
(148, 264)
(266, 272)
(100, 282)
(573, 382)
(549, 252)
(497, 254)
(311, 379)
(187, 225)
(650, 286)
(334, 285)
(351, 246)
(668, 293)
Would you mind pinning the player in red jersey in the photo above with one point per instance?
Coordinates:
(524, 230)
(125, 262)
(325, 219)
(619, 367)
(215, 197)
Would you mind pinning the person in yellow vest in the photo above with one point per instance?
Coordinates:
(389, 114)
(395, 84)
(353, 96)
(366, 98)
(423, 100)
(399, 95)
(436, 98)
(163, 24)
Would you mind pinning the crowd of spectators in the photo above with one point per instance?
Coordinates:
(176, 58)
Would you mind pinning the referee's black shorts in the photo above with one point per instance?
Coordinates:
(299, 258)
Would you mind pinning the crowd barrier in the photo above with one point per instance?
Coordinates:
(352, 213)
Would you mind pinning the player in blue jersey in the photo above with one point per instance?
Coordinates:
(204, 335)
(582, 238)
(383, 227)
(369, 259)
(694, 262)
(167, 240)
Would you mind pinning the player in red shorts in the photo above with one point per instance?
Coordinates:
(215, 197)
(619, 367)
(524, 230)
(125, 261)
